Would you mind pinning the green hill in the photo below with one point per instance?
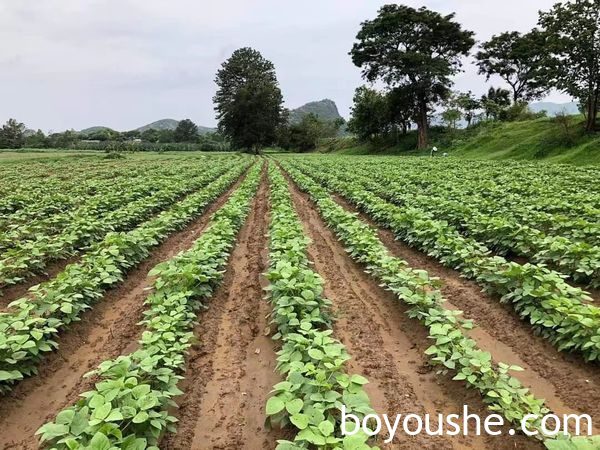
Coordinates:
(163, 124)
(324, 109)
(171, 124)
(91, 130)
(540, 139)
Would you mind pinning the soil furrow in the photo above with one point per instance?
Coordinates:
(105, 332)
(231, 371)
(388, 347)
(566, 381)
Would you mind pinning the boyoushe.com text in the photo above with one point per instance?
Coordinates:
(465, 424)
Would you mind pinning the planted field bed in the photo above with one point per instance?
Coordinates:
(230, 301)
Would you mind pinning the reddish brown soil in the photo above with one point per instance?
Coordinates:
(232, 370)
(388, 347)
(107, 331)
(566, 381)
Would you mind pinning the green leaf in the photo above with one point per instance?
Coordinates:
(274, 406)
(140, 417)
(300, 421)
(103, 411)
(326, 428)
(100, 442)
(294, 406)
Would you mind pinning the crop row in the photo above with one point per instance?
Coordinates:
(555, 310)
(452, 350)
(557, 204)
(130, 406)
(311, 360)
(100, 197)
(87, 227)
(579, 260)
(30, 325)
(65, 184)
(68, 185)
(514, 187)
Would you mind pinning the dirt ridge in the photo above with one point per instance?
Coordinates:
(231, 371)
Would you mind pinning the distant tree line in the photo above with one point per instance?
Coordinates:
(185, 137)
(414, 53)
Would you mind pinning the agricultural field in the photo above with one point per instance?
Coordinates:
(230, 301)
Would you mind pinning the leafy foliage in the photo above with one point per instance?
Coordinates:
(572, 55)
(518, 59)
(12, 134)
(453, 351)
(29, 326)
(130, 405)
(248, 101)
(118, 207)
(557, 311)
(316, 384)
(418, 49)
(186, 131)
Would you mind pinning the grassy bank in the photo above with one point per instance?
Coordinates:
(541, 139)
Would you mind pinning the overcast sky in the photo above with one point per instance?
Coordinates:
(124, 63)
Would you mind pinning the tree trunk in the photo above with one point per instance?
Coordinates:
(422, 126)
(592, 113)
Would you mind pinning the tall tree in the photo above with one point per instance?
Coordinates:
(495, 101)
(415, 48)
(518, 60)
(12, 134)
(186, 131)
(248, 101)
(573, 52)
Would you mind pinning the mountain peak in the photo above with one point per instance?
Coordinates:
(325, 109)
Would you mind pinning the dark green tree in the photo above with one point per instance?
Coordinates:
(186, 131)
(150, 135)
(248, 101)
(65, 139)
(401, 107)
(36, 140)
(418, 49)
(369, 117)
(573, 52)
(494, 102)
(165, 136)
(518, 59)
(306, 134)
(12, 134)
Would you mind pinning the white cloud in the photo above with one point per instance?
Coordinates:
(73, 64)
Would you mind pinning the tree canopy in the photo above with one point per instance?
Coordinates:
(518, 60)
(572, 52)
(186, 131)
(248, 102)
(12, 134)
(418, 49)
